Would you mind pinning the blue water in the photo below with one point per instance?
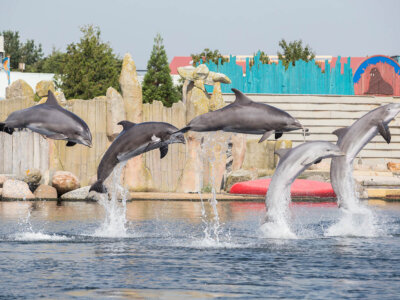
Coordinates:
(55, 251)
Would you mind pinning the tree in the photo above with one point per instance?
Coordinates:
(28, 53)
(208, 55)
(53, 63)
(294, 51)
(89, 67)
(157, 83)
(263, 57)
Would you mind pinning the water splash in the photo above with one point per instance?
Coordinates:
(115, 222)
(278, 215)
(27, 231)
(212, 225)
(356, 219)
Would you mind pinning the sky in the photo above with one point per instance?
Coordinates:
(330, 27)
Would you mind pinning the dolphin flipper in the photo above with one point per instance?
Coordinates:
(278, 135)
(163, 151)
(70, 144)
(265, 136)
(384, 131)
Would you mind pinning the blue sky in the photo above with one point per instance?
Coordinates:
(330, 27)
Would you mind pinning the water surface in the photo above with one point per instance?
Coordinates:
(58, 251)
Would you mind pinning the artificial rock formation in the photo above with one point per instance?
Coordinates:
(19, 89)
(115, 113)
(199, 164)
(43, 87)
(136, 176)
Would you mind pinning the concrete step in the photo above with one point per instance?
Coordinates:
(383, 181)
(384, 193)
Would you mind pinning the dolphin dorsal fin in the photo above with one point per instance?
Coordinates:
(51, 99)
(282, 152)
(126, 124)
(241, 98)
(340, 132)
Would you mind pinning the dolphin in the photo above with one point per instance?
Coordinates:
(352, 140)
(50, 120)
(134, 140)
(291, 164)
(246, 116)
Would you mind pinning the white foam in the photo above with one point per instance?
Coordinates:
(114, 224)
(39, 236)
(355, 223)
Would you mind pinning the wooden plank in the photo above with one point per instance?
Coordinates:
(8, 153)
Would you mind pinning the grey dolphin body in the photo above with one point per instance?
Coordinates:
(352, 140)
(134, 140)
(245, 116)
(50, 120)
(291, 164)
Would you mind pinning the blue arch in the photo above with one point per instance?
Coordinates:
(373, 61)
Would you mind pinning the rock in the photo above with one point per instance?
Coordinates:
(44, 86)
(16, 189)
(64, 182)
(191, 180)
(238, 150)
(393, 167)
(4, 177)
(259, 155)
(239, 176)
(131, 90)
(216, 101)
(19, 89)
(115, 113)
(78, 194)
(32, 176)
(137, 176)
(44, 191)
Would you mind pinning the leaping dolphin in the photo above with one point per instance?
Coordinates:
(50, 120)
(134, 140)
(246, 116)
(291, 164)
(352, 140)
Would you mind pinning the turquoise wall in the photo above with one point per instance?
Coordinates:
(303, 78)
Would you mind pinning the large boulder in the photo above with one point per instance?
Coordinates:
(64, 182)
(44, 86)
(115, 113)
(239, 176)
(33, 176)
(16, 189)
(19, 89)
(4, 177)
(78, 194)
(45, 192)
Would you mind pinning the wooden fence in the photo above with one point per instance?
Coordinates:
(303, 78)
(321, 114)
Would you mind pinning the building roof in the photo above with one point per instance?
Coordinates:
(179, 61)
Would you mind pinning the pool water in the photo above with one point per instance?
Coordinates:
(166, 251)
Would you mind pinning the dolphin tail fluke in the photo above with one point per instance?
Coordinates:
(98, 187)
(6, 129)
